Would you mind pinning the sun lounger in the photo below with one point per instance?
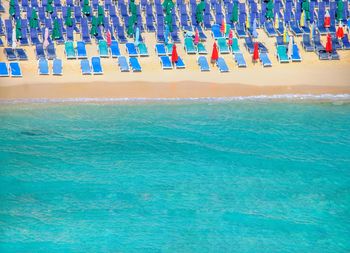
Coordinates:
(239, 59)
(282, 54)
(131, 49)
(69, 50)
(279, 41)
(249, 44)
(51, 52)
(57, 67)
(160, 49)
(81, 50)
(115, 49)
(143, 51)
(15, 69)
(201, 48)
(222, 65)
(323, 55)
(215, 31)
(223, 47)
(10, 54)
(240, 31)
(345, 41)
(296, 30)
(4, 71)
(166, 63)
(296, 54)
(134, 64)
(189, 46)
(180, 63)
(85, 67)
(123, 64)
(265, 60)
(334, 55)
(317, 42)
(335, 43)
(306, 43)
(21, 54)
(203, 63)
(235, 47)
(169, 48)
(103, 49)
(269, 29)
(43, 66)
(96, 65)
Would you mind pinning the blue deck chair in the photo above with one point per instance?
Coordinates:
(221, 64)
(160, 49)
(131, 49)
(346, 43)
(223, 47)
(269, 29)
(180, 63)
(262, 48)
(96, 65)
(4, 71)
(323, 55)
(39, 51)
(15, 69)
(203, 63)
(143, 51)
(239, 59)
(1, 42)
(296, 54)
(34, 38)
(134, 64)
(43, 66)
(57, 67)
(85, 67)
(279, 41)
(165, 62)
(335, 42)
(334, 55)
(189, 46)
(123, 64)
(249, 44)
(317, 42)
(265, 60)
(295, 28)
(115, 49)
(10, 54)
(240, 30)
(21, 54)
(215, 31)
(201, 48)
(306, 43)
(282, 54)
(51, 52)
(81, 50)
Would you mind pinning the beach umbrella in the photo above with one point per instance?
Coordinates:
(276, 25)
(290, 48)
(46, 38)
(14, 40)
(166, 35)
(174, 56)
(215, 53)
(49, 7)
(230, 38)
(130, 31)
(302, 19)
(312, 30)
(100, 15)
(18, 29)
(285, 36)
(33, 22)
(255, 33)
(86, 7)
(329, 43)
(305, 6)
(137, 36)
(132, 8)
(199, 11)
(12, 8)
(269, 9)
(222, 27)
(56, 30)
(256, 52)
(69, 20)
(169, 20)
(168, 5)
(340, 31)
(327, 20)
(234, 15)
(247, 22)
(340, 9)
(196, 37)
(108, 38)
(94, 23)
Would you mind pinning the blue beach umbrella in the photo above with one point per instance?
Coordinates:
(166, 35)
(137, 36)
(255, 33)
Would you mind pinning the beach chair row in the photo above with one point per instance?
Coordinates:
(94, 66)
(13, 69)
(44, 69)
(17, 54)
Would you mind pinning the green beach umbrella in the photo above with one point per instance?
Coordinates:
(56, 30)
(169, 21)
(305, 6)
(69, 20)
(94, 24)
(49, 7)
(234, 15)
(131, 23)
(12, 8)
(86, 7)
(269, 9)
(100, 15)
(168, 5)
(132, 7)
(199, 11)
(33, 22)
(340, 9)
(18, 29)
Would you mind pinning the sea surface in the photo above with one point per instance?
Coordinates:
(177, 176)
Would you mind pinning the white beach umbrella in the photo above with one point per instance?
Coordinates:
(46, 38)
(14, 39)
(290, 47)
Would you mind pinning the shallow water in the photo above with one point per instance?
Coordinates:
(175, 177)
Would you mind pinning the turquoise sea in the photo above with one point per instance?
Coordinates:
(177, 176)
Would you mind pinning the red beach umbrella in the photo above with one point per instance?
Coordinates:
(109, 39)
(329, 43)
(340, 32)
(256, 52)
(327, 20)
(196, 37)
(222, 27)
(174, 56)
(215, 53)
(230, 37)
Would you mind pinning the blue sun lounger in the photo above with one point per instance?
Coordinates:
(131, 49)
(21, 54)
(96, 66)
(43, 66)
(103, 49)
(203, 63)
(180, 63)
(115, 49)
(317, 42)
(346, 43)
(265, 60)
(306, 43)
(296, 54)
(166, 63)
(4, 71)
(223, 47)
(160, 49)
(85, 67)
(134, 64)
(215, 31)
(249, 44)
(10, 54)
(269, 29)
(39, 51)
(143, 51)
(334, 55)
(201, 48)
(57, 67)
(222, 65)
(51, 52)
(123, 64)
(81, 50)
(239, 59)
(189, 46)
(15, 69)
(323, 55)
